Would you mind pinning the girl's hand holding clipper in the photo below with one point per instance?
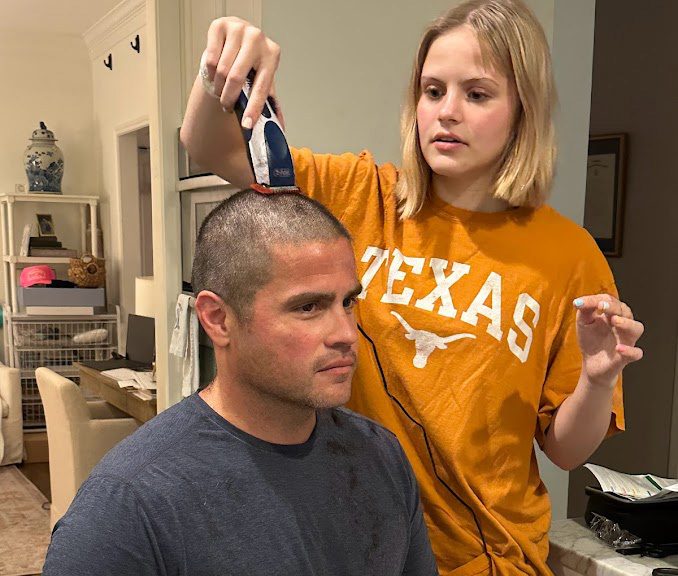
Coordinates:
(234, 47)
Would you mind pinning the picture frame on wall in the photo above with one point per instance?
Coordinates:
(605, 183)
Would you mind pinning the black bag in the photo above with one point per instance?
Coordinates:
(655, 521)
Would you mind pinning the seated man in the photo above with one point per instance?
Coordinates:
(261, 472)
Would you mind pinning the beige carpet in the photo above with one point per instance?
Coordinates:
(24, 524)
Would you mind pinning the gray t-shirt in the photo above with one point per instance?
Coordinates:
(189, 493)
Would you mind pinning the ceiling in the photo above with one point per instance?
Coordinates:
(54, 16)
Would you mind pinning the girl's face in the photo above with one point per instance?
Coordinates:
(465, 113)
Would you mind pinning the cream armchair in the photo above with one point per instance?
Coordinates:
(79, 434)
(11, 419)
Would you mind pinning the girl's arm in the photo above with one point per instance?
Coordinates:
(210, 131)
(607, 334)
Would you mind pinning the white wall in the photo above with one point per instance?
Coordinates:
(55, 78)
(47, 77)
(342, 76)
(121, 104)
(572, 51)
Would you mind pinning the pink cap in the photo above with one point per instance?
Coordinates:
(41, 274)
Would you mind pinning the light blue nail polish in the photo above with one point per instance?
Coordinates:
(578, 302)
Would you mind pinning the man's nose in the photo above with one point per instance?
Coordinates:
(343, 330)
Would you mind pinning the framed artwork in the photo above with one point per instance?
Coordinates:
(605, 179)
(45, 225)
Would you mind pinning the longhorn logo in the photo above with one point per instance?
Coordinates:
(426, 342)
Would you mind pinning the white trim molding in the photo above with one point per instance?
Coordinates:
(132, 125)
(120, 23)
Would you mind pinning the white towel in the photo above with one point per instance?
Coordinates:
(184, 343)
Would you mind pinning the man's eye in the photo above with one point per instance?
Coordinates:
(310, 307)
(350, 302)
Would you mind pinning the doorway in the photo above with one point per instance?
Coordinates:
(136, 222)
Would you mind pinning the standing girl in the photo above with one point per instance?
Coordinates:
(488, 320)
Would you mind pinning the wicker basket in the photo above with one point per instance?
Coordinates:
(88, 271)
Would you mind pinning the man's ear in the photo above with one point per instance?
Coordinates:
(216, 317)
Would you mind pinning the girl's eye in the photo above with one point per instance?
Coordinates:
(477, 96)
(433, 92)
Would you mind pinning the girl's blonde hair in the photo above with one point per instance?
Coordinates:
(512, 41)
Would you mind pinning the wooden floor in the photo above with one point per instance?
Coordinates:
(36, 464)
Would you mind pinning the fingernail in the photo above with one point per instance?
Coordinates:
(604, 305)
(578, 302)
(247, 123)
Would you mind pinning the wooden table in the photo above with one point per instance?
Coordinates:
(107, 388)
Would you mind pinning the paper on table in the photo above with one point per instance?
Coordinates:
(119, 374)
(127, 377)
(143, 394)
(128, 384)
(145, 380)
(633, 486)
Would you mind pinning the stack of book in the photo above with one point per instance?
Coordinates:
(49, 247)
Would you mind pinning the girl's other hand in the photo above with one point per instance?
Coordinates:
(607, 334)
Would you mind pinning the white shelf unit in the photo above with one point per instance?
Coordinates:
(10, 259)
(35, 341)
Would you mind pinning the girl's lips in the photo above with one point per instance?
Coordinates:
(444, 146)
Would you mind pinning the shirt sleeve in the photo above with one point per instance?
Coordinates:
(345, 183)
(420, 560)
(592, 277)
(106, 532)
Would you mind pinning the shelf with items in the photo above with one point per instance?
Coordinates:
(11, 260)
(55, 342)
(36, 260)
(46, 197)
(88, 337)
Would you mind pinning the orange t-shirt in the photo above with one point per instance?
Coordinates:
(468, 347)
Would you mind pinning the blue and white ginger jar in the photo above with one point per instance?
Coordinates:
(44, 162)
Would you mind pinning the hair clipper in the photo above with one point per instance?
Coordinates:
(267, 148)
